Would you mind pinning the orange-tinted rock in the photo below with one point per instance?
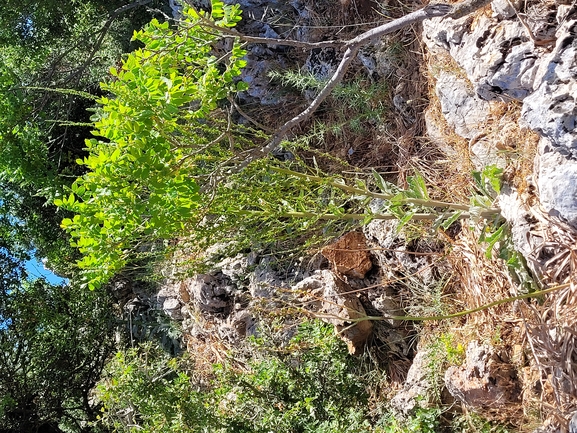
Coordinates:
(349, 255)
(332, 300)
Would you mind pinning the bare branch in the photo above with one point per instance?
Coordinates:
(103, 32)
(352, 48)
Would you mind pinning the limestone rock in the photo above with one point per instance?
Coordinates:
(261, 61)
(552, 109)
(490, 53)
(502, 64)
(484, 382)
(264, 281)
(393, 252)
(464, 111)
(211, 293)
(168, 299)
(503, 9)
(172, 308)
(237, 268)
(349, 255)
(331, 299)
(518, 216)
(557, 183)
(415, 389)
(243, 323)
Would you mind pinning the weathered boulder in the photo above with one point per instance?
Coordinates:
(490, 51)
(416, 389)
(503, 63)
(484, 381)
(349, 255)
(464, 111)
(557, 183)
(168, 299)
(333, 301)
(552, 110)
(210, 293)
(172, 307)
(264, 281)
(517, 213)
(395, 255)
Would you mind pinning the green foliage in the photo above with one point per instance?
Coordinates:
(146, 323)
(310, 386)
(355, 107)
(159, 131)
(146, 390)
(53, 347)
(164, 137)
(423, 421)
(474, 423)
(441, 352)
(276, 209)
(489, 180)
(52, 54)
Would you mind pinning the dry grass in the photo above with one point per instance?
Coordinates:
(538, 336)
(550, 324)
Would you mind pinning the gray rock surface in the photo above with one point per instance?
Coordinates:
(557, 183)
(484, 381)
(264, 281)
(393, 253)
(490, 53)
(518, 216)
(464, 111)
(168, 300)
(502, 63)
(172, 307)
(210, 293)
(416, 389)
(551, 110)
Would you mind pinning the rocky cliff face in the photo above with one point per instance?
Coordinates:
(521, 55)
(532, 61)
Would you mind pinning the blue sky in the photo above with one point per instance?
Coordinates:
(36, 269)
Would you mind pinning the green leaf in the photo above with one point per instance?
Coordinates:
(241, 86)
(491, 240)
(381, 183)
(493, 175)
(451, 219)
(417, 187)
(404, 220)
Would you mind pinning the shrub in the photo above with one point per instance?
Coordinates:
(158, 129)
(310, 386)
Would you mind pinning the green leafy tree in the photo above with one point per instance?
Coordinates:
(160, 130)
(53, 54)
(54, 342)
(310, 386)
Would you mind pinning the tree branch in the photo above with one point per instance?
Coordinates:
(103, 32)
(352, 47)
